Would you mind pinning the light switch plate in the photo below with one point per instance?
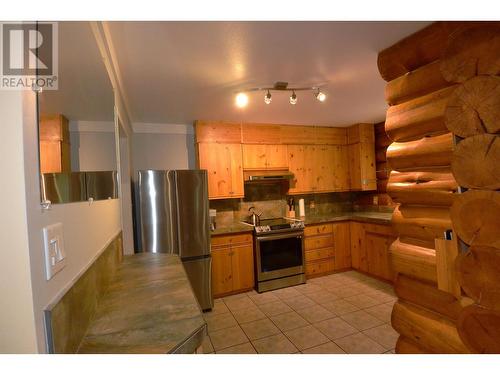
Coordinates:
(55, 257)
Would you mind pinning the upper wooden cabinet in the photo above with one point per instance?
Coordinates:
(322, 159)
(330, 136)
(318, 168)
(261, 134)
(299, 135)
(218, 132)
(265, 156)
(225, 169)
(361, 151)
(55, 155)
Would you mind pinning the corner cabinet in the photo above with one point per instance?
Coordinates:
(370, 248)
(224, 164)
(361, 149)
(232, 264)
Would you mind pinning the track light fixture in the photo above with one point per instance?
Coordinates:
(320, 95)
(242, 97)
(267, 98)
(241, 100)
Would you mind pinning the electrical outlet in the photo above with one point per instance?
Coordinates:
(55, 257)
(312, 205)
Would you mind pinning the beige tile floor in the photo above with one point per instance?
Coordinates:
(346, 312)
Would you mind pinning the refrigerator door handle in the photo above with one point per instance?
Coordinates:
(177, 216)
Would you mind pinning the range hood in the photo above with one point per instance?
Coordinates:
(256, 176)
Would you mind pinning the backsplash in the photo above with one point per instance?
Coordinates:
(271, 200)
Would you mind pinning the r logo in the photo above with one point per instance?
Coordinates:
(29, 51)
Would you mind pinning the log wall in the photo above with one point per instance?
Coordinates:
(429, 92)
(472, 59)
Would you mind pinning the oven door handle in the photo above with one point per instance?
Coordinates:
(280, 236)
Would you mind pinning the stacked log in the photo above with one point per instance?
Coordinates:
(473, 115)
(424, 104)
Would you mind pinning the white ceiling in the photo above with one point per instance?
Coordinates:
(85, 91)
(177, 72)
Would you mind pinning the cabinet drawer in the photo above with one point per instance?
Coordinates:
(312, 230)
(318, 242)
(317, 254)
(323, 266)
(224, 241)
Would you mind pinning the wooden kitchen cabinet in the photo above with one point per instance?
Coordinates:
(319, 168)
(322, 159)
(265, 157)
(370, 248)
(217, 132)
(342, 244)
(223, 161)
(55, 148)
(222, 271)
(361, 150)
(232, 264)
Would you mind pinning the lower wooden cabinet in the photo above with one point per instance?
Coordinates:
(232, 264)
(370, 248)
(326, 248)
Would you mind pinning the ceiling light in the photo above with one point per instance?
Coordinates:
(267, 98)
(320, 96)
(241, 100)
(293, 98)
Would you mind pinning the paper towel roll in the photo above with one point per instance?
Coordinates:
(302, 208)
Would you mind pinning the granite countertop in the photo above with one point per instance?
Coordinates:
(148, 308)
(361, 216)
(232, 227)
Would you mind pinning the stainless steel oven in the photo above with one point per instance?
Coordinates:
(279, 259)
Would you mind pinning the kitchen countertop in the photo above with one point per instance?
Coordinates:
(360, 216)
(148, 308)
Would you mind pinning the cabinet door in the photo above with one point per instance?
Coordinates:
(254, 156)
(311, 177)
(341, 236)
(323, 168)
(277, 157)
(242, 265)
(225, 171)
(377, 246)
(297, 165)
(50, 157)
(358, 249)
(341, 168)
(222, 280)
(367, 166)
(354, 167)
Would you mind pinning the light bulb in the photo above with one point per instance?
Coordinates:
(293, 99)
(241, 100)
(267, 98)
(320, 96)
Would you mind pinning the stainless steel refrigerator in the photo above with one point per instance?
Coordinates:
(174, 218)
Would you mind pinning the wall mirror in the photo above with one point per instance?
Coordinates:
(76, 123)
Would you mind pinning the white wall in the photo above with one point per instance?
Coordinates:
(17, 324)
(163, 146)
(92, 146)
(87, 228)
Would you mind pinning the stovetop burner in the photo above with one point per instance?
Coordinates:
(277, 224)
